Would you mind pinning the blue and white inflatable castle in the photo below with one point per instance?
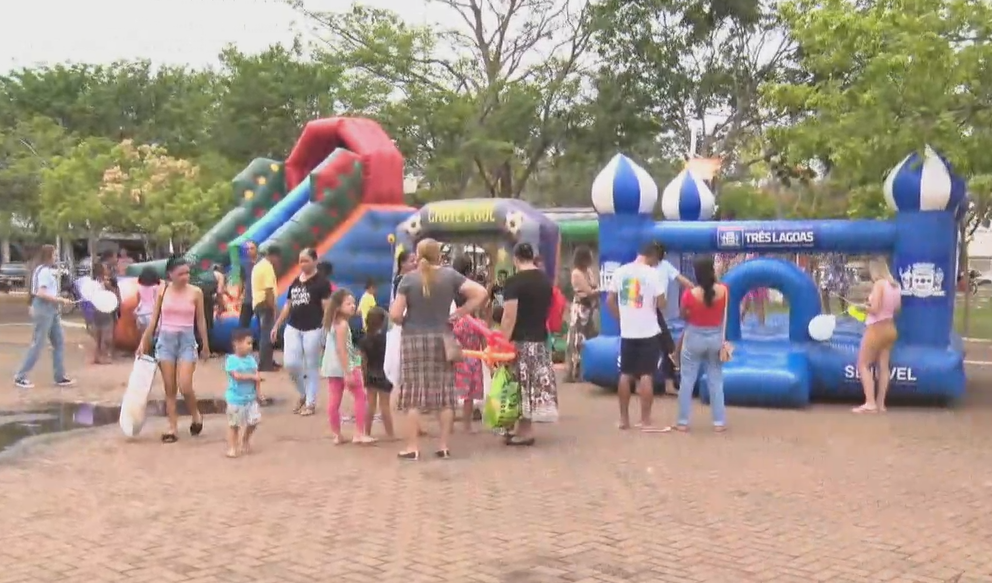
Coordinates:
(786, 368)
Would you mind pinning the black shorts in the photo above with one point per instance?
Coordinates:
(639, 356)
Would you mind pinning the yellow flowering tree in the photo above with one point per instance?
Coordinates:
(131, 188)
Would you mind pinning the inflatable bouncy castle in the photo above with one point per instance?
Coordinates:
(340, 191)
(783, 366)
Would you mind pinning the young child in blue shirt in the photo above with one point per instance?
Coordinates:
(243, 378)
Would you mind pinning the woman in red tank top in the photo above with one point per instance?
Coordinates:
(704, 308)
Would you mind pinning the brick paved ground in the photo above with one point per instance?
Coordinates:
(785, 496)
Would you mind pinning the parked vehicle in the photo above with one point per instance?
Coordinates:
(13, 276)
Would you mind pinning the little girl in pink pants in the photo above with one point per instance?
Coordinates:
(342, 366)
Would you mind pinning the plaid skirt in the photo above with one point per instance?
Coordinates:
(427, 379)
(538, 385)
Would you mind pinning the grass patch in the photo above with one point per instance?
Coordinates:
(979, 318)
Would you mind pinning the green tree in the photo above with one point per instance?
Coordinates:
(26, 149)
(170, 106)
(69, 193)
(483, 104)
(678, 63)
(265, 99)
(878, 80)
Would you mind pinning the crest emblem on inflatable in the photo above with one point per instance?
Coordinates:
(922, 280)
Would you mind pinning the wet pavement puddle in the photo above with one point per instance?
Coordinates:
(49, 418)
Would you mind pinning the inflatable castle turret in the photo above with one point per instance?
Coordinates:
(926, 195)
(687, 198)
(624, 195)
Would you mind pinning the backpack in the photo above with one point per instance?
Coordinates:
(556, 314)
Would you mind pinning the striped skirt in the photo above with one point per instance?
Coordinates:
(427, 380)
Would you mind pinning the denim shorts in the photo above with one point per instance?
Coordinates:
(176, 346)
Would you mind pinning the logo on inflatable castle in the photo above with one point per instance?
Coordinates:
(738, 238)
(922, 280)
(899, 374)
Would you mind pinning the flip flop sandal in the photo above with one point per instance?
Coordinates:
(299, 406)
(169, 438)
(864, 409)
(652, 429)
(196, 428)
(443, 454)
(411, 456)
(307, 411)
(521, 442)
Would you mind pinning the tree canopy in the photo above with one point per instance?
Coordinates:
(806, 102)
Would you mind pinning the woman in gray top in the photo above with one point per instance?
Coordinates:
(423, 307)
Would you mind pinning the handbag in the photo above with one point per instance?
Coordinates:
(157, 316)
(452, 349)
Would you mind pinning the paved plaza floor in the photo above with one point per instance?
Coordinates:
(787, 496)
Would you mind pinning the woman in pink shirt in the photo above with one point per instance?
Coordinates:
(178, 313)
(884, 302)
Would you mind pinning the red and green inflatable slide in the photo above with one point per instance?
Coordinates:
(340, 192)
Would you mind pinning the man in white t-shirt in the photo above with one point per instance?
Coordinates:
(636, 294)
(673, 283)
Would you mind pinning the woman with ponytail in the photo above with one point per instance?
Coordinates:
(704, 308)
(423, 307)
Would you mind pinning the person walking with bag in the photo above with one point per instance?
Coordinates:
(179, 311)
(46, 321)
(704, 308)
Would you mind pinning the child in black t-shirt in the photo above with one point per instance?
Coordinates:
(373, 348)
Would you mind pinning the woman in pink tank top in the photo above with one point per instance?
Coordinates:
(177, 315)
(884, 302)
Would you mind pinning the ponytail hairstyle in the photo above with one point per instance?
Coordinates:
(333, 307)
(706, 277)
(428, 258)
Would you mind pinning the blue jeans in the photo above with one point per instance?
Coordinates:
(302, 351)
(47, 326)
(702, 346)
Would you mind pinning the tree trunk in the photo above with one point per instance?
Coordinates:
(963, 266)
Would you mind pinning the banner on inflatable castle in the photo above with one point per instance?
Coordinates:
(736, 238)
(462, 214)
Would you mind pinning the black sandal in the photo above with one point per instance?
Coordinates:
(195, 428)
(444, 454)
(520, 442)
(409, 455)
(169, 438)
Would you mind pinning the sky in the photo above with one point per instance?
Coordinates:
(173, 32)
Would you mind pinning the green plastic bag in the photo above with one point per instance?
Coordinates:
(502, 408)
